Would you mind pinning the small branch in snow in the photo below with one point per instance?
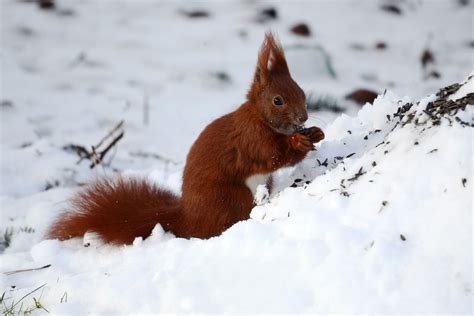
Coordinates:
(110, 146)
(342, 183)
(26, 270)
(79, 150)
(384, 203)
(94, 156)
(109, 134)
(64, 297)
(358, 174)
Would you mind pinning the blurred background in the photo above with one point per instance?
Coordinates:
(72, 70)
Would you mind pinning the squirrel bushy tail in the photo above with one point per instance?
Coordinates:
(118, 211)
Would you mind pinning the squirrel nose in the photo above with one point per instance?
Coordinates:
(302, 117)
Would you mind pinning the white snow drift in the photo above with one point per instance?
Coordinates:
(384, 224)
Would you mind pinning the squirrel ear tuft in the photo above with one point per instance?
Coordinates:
(271, 59)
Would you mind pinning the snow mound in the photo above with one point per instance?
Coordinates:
(378, 219)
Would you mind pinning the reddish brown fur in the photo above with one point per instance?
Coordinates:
(258, 138)
(118, 211)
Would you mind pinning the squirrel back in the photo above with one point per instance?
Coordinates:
(264, 134)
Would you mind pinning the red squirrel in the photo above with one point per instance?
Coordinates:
(229, 159)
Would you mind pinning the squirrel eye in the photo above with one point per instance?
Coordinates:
(278, 101)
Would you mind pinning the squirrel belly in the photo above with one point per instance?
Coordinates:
(229, 158)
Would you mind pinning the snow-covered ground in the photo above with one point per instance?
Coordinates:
(384, 224)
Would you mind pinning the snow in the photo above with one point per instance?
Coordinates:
(381, 221)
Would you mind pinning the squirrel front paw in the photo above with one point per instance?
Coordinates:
(315, 134)
(300, 142)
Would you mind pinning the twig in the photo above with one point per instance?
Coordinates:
(94, 157)
(357, 175)
(26, 270)
(117, 127)
(112, 144)
(98, 158)
(64, 297)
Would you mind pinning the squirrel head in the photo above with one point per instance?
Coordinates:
(278, 98)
